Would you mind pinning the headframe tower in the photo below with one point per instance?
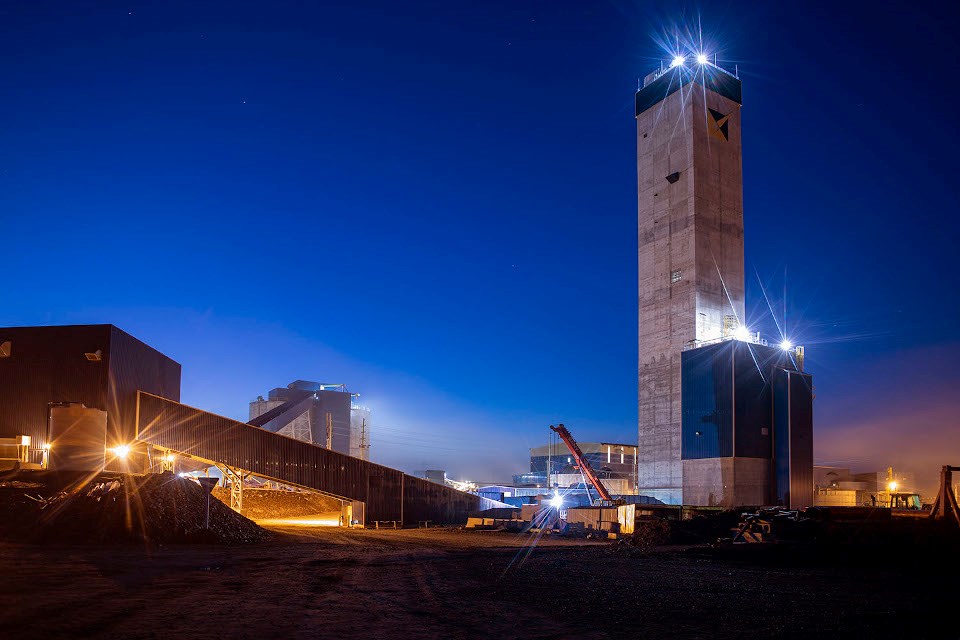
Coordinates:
(690, 246)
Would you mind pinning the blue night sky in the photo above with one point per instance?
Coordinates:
(435, 203)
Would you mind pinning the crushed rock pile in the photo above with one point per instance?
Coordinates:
(154, 508)
(655, 532)
(262, 504)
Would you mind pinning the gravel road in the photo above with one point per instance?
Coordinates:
(320, 582)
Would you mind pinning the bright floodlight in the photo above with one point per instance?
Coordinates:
(702, 58)
(556, 501)
(122, 451)
(677, 61)
(742, 333)
(786, 345)
(892, 486)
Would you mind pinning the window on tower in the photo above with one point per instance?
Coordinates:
(676, 276)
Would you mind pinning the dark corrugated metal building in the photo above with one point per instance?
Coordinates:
(99, 366)
(793, 437)
(104, 368)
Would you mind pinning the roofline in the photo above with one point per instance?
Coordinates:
(673, 79)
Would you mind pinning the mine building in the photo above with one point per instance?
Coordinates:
(690, 257)
(320, 413)
(551, 465)
(46, 370)
(747, 426)
(94, 399)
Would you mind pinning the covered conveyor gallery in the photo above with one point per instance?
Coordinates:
(387, 494)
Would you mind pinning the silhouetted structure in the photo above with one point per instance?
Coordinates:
(747, 426)
(99, 366)
(690, 247)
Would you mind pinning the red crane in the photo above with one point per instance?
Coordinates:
(582, 462)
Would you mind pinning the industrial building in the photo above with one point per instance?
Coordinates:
(747, 424)
(438, 476)
(96, 366)
(839, 487)
(315, 412)
(554, 470)
(92, 398)
(691, 294)
(552, 465)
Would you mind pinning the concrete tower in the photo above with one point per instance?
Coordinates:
(690, 246)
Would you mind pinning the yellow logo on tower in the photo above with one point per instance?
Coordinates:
(718, 128)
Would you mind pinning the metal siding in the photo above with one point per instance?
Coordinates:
(134, 366)
(793, 443)
(706, 402)
(78, 437)
(337, 403)
(726, 396)
(673, 80)
(801, 440)
(47, 364)
(752, 399)
(388, 493)
(781, 436)
(425, 500)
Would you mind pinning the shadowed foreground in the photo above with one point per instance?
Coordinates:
(325, 582)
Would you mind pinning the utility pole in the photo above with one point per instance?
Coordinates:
(363, 440)
(636, 471)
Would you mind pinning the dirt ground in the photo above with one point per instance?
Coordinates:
(320, 582)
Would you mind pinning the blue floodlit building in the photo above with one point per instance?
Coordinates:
(747, 426)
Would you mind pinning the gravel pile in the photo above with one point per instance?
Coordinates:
(262, 504)
(154, 508)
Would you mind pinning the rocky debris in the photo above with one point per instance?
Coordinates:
(573, 530)
(651, 533)
(770, 525)
(646, 535)
(655, 532)
(704, 529)
(154, 508)
(19, 484)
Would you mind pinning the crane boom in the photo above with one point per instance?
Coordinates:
(581, 461)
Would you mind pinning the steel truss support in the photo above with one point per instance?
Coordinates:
(300, 428)
(236, 478)
(167, 460)
(162, 459)
(946, 507)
